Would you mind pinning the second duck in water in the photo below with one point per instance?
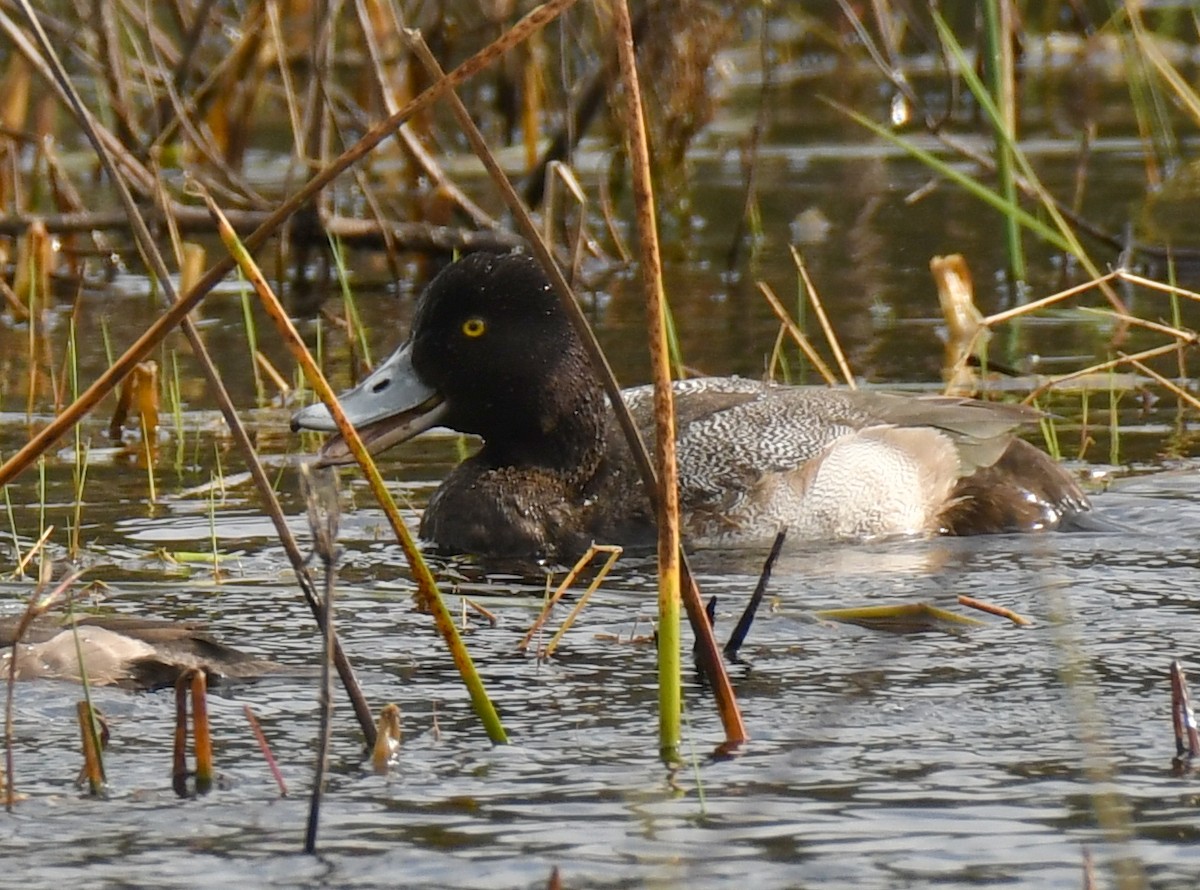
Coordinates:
(492, 353)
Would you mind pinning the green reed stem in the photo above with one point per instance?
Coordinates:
(1050, 434)
(252, 341)
(429, 594)
(670, 698)
(358, 330)
(1114, 421)
(79, 470)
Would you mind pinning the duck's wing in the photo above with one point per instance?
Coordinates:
(729, 427)
(749, 450)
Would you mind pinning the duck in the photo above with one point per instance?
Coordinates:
(491, 353)
(126, 651)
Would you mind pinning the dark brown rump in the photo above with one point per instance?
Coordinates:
(1025, 490)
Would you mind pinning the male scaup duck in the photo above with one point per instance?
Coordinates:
(119, 650)
(492, 353)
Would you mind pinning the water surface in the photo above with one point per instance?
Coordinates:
(878, 760)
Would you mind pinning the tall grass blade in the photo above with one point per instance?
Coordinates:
(427, 587)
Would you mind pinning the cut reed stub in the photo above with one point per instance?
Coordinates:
(192, 683)
(94, 732)
(387, 739)
(139, 395)
(1187, 738)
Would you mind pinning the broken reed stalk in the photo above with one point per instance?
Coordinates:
(971, 603)
(670, 704)
(793, 329)
(814, 299)
(760, 589)
(31, 554)
(387, 738)
(569, 579)
(429, 594)
(265, 747)
(710, 656)
(479, 609)
(613, 554)
(536, 19)
(93, 763)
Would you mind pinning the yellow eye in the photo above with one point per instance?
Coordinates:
(474, 327)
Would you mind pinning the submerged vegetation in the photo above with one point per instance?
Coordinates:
(161, 157)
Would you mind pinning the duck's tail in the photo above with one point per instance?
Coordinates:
(1024, 490)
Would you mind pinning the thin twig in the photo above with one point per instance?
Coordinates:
(992, 609)
(798, 335)
(1165, 383)
(265, 747)
(814, 298)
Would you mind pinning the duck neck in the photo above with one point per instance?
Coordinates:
(564, 432)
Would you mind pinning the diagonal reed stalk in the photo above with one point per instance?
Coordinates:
(709, 654)
(158, 267)
(796, 334)
(51, 69)
(429, 594)
(814, 298)
(533, 21)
